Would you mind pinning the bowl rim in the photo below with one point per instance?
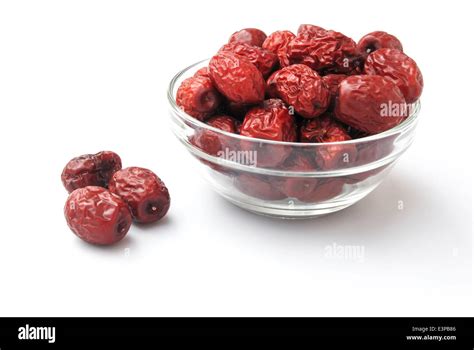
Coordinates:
(400, 128)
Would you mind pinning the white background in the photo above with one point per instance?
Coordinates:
(82, 76)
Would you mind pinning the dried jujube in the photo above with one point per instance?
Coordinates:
(97, 216)
(397, 67)
(277, 42)
(378, 40)
(90, 170)
(370, 103)
(202, 72)
(332, 82)
(324, 51)
(297, 186)
(301, 88)
(327, 130)
(311, 30)
(210, 141)
(198, 97)
(271, 121)
(258, 186)
(237, 78)
(143, 191)
(251, 36)
(263, 59)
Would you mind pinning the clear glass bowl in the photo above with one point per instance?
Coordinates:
(248, 172)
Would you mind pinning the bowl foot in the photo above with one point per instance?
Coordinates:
(293, 211)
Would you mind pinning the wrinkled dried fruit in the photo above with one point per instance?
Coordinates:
(90, 170)
(378, 40)
(369, 152)
(277, 42)
(237, 78)
(398, 68)
(97, 216)
(298, 187)
(223, 122)
(274, 103)
(202, 72)
(217, 144)
(333, 157)
(258, 186)
(300, 87)
(210, 141)
(251, 36)
(263, 59)
(143, 191)
(323, 129)
(370, 103)
(332, 82)
(311, 30)
(329, 52)
(272, 121)
(326, 130)
(198, 97)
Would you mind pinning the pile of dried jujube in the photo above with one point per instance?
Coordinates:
(104, 198)
(316, 86)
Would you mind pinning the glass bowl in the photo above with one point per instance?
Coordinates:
(251, 172)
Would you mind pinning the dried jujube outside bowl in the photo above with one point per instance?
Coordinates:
(285, 177)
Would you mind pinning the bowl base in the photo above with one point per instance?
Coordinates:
(292, 213)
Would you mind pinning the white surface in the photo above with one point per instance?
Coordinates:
(79, 77)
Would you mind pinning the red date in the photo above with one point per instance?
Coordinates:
(143, 191)
(197, 97)
(263, 59)
(300, 87)
(378, 40)
(237, 78)
(277, 43)
(329, 52)
(258, 186)
(332, 82)
(212, 142)
(298, 187)
(323, 129)
(327, 130)
(251, 36)
(398, 68)
(90, 170)
(311, 30)
(202, 72)
(273, 122)
(97, 216)
(370, 103)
